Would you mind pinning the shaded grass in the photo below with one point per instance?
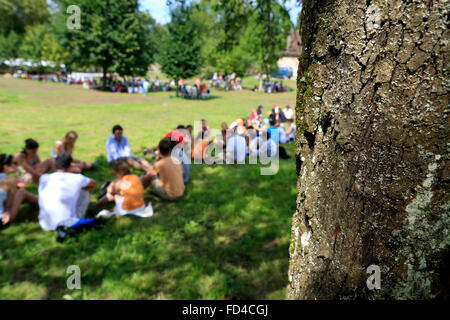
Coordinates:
(227, 238)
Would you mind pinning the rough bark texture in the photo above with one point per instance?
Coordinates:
(372, 150)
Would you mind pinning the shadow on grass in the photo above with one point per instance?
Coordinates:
(211, 97)
(226, 238)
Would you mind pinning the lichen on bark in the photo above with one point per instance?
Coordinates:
(372, 150)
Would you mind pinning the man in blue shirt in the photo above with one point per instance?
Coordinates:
(273, 132)
(117, 147)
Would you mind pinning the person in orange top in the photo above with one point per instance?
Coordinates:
(126, 191)
(199, 149)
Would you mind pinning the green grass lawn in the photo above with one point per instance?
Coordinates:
(227, 238)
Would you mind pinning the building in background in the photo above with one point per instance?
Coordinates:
(289, 57)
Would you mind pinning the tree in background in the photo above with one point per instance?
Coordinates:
(52, 51)
(181, 57)
(31, 47)
(158, 36)
(272, 27)
(232, 19)
(114, 36)
(138, 49)
(252, 32)
(9, 45)
(16, 15)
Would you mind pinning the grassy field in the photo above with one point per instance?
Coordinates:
(227, 238)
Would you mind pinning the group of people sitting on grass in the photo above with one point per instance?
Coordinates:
(135, 85)
(272, 87)
(246, 136)
(197, 91)
(64, 192)
(142, 86)
(227, 82)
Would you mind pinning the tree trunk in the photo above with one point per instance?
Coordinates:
(372, 151)
(104, 78)
(260, 88)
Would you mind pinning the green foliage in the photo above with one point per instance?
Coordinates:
(9, 45)
(16, 15)
(114, 36)
(52, 50)
(181, 49)
(241, 36)
(31, 47)
(271, 28)
(233, 18)
(40, 43)
(238, 60)
(158, 36)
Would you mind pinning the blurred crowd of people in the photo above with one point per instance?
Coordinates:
(270, 86)
(225, 81)
(64, 197)
(140, 85)
(197, 91)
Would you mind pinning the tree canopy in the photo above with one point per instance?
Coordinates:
(240, 35)
(182, 57)
(16, 15)
(114, 36)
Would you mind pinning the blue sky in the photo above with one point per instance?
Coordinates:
(160, 12)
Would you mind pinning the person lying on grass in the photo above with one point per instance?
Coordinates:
(10, 197)
(126, 191)
(63, 196)
(29, 164)
(117, 147)
(67, 145)
(165, 177)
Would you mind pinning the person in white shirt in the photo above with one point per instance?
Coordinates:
(290, 132)
(117, 147)
(288, 113)
(63, 196)
(276, 109)
(236, 149)
(254, 146)
(281, 132)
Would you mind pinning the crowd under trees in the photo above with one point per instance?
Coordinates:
(116, 36)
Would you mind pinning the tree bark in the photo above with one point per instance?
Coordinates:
(372, 151)
(104, 77)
